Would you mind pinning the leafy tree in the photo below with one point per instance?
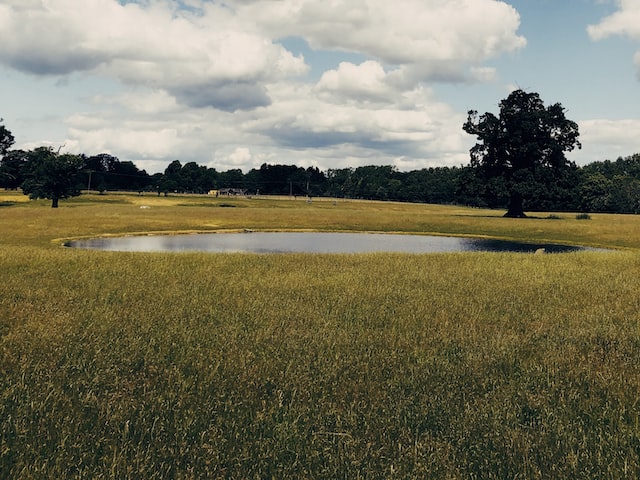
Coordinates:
(316, 181)
(106, 172)
(523, 140)
(171, 180)
(429, 185)
(625, 194)
(6, 139)
(308, 182)
(52, 175)
(628, 166)
(231, 179)
(12, 168)
(282, 180)
(126, 176)
(96, 168)
(196, 178)
(373, 182)
(340, 182)
(608, 186)
(595, 192)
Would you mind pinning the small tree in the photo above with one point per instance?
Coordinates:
(524, 145)
(12, 167)
(52, 175)
(6, 139)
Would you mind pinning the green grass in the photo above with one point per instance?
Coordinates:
(129, 365)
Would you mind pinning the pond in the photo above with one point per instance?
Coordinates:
(312, 242)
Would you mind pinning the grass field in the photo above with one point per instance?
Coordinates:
(445, 366)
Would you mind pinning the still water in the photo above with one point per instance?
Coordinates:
(311, 242)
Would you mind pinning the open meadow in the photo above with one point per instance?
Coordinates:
(246, 366)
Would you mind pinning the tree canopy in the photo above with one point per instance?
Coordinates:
(52, 175)
(524, 146)
(6, 139)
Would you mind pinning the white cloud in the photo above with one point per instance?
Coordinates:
(201, 60)
(353, 114)
(157, 44)
(424, 34)
(240, 156)
(211, 83)
(152, 129)
(604, 139)
(143, 143)
(243, 158)
(364, 82)
(483, 74)
(154, 102)
(625, 21)
(303, 119)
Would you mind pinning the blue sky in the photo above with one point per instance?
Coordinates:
(333, 84)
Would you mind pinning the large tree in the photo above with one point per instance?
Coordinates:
(523, 146)
(52, 175)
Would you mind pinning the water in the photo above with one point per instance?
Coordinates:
(312, 242)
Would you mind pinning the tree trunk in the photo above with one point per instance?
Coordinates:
(54, 202)
(515, 207)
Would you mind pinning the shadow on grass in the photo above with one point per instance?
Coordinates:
(528, 217)
(76, 202)
(208, 205)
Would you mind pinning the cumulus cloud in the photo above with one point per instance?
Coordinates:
(625, 21)
(430, 36)
(211, 82)
(152, 129)
(228, 96)
(203, 60)
(129, 138)
(242, 158)
(150, 103)
(157, 43)
(604, 139)
(305, 119)
(364, 82)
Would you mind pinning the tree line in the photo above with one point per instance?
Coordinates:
(518, 160)
(604, 186)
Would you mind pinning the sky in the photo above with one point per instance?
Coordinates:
(233, 84)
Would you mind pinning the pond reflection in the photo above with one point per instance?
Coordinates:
(312, 242)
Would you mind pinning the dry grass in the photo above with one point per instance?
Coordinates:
(315, 366)
(91, 215)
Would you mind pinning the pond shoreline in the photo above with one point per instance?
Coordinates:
(269, 242)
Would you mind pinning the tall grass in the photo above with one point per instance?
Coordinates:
(129, 365)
